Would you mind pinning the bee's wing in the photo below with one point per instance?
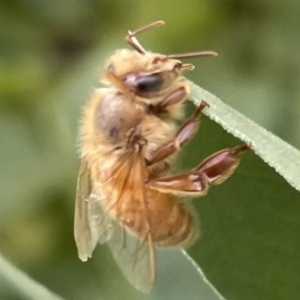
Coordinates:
(135, 255)
(91, 224)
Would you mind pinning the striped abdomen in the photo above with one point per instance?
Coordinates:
(172, 223)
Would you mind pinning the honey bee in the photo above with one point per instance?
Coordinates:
(129, 138)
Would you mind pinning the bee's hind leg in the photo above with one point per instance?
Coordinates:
(213, 170)
(185, 132)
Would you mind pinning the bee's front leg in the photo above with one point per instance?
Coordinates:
(213, 170)
(175, 97)
(184, 133)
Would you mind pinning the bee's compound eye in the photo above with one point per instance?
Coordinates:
(150, 83)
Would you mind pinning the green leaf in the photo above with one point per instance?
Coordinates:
(249, 247)
(280, 155)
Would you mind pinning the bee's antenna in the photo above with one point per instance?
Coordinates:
(132, 40)
(193, 54)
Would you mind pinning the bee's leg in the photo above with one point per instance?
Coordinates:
(131, 37)
(184, 133)
(213, 170)
(193, 184)
(221, 165)
(175, 97)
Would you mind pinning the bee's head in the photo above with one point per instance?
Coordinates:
(146, 74)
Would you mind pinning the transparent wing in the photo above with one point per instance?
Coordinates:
(91, 224)
(136, 258)
(83, 235)
(95, 222)
(134, 254)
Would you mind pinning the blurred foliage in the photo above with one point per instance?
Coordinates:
(49, 54)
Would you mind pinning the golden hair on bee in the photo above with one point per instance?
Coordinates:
(126, 196)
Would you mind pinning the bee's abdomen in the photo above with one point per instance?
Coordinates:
(174, 223)
(170, 222)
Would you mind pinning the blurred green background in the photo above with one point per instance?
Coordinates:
(51, 53)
